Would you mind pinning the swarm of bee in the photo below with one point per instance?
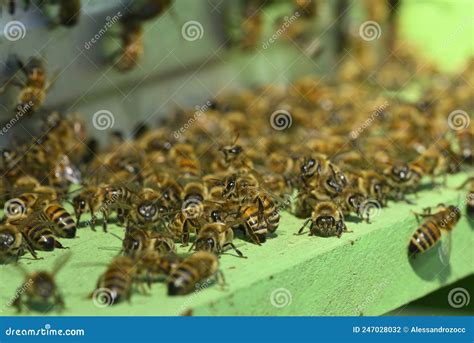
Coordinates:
(326, 153)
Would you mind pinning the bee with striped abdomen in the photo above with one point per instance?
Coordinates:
(115, 284)
(430, 230)
(193, 270)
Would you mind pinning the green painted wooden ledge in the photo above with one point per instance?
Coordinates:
(366, 272)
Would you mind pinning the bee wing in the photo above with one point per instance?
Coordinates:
(444, 250)
(60, 262)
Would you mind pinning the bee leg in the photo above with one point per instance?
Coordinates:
(105, 219)
(221, 280)
(17, 303)
(30, 248)
(235, 249)
(58, 245)
(253, 236)
(92, 222)
(185, 234)
(59, 301)
(300, 231)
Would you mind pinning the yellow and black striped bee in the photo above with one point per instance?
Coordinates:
(137, 242)
(200, 267)
(152, 266)
(132, 31)
(40, 289)
(215, 237)
(326, 220)
(13, 244)
(254, 222)
(430, 230)
(40, 236)
(60, 219)
(33, 86)
(465, 138)
(116, 282)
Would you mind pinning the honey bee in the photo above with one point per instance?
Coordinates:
(252, 24)
(59, 218)
(232, 159)
(138, 241)
(132, 46)
(254, 222)
(401, 179)
(182, 224)
(116, 282)
(39, 235)
(13, 243)
(34, 88)
(40, 289)
(148, 211)
(433, 225)
(192, 271)
(326, 220)
(132, 31)
(104, 199)
(153, 265)
(352, 201)
(465, 138)
(470, 197)
(214, 238)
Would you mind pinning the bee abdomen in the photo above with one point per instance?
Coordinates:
(424, 238)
